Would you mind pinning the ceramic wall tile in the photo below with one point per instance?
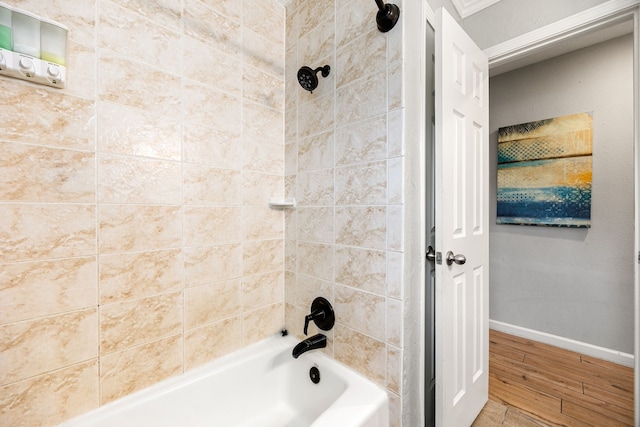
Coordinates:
(50, 343)
(290, 287)
(126, 179)
(215, 108)
(260, 223)
(364, 354)
(317, 44)
(316, 225)
(262, 17)
(361, 99)
(125, 228)
(211, 264)
(312, 13)
(363, 184)
(263, 139)
(36, 289)
(50, 126)
(226, 334)
(291, 253)
(290, 158)
(361, 268)
(395, 176)
(262, 88)
(352, 19)
(131, 83)
(210, 303)
(213, 147)
(135, 275)
(362, 226)
(262, 124)
(394, 86)
(315, 188)
(258, 188)
(211, 67)
(206, 185)
(395, 275)
(45, 231)
(308, 288)
(31, 402)
(163, 12)
(134, 322)
(228, 8)
(39, 174)
(395, 410)
(262, 323)
(362, 142)
(262, 290)
(205, 225)
(134, 198)
(133, 369)
(127, 33)
(262, 256)
(394, 322)
(262, 53)
(316, 152)
(315, 115)
(263, 156)
(394, 369)
(316, 260)
(396, 133)
(81, 58)
(131, 131)
(205, 23)
(290, 119)
(362, 311)
(395, 230)
(366, 54)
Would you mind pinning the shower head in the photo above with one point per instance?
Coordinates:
(308, 79)
(387, 16)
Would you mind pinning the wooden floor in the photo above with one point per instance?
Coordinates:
(534, 384)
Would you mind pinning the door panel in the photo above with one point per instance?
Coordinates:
(462, 118)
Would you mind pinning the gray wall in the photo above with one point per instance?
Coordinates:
(575, 283)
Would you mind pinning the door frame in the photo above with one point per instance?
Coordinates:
(529, 44)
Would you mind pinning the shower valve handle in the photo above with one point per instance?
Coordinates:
(322, 315)
(316, 315)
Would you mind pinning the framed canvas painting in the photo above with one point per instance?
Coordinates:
(545, 172)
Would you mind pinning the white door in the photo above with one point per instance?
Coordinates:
(462, 228)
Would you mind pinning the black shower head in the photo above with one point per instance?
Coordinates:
(308, 79)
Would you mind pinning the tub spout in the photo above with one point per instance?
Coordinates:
(311, 343)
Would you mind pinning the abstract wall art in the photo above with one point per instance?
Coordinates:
(544, 172)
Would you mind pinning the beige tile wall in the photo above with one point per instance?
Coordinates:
(135, 240)
(344, 164)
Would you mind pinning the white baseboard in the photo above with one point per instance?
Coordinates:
(609, 355)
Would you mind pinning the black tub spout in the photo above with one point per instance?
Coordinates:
(311, 343)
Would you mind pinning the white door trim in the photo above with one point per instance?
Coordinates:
(596, 17)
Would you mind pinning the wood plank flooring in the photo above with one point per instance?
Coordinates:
(535, 384)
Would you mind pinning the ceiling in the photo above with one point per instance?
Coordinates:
(466, 8)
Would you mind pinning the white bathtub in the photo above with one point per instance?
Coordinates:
(257, 386)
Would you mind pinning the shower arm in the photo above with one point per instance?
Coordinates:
(387, 15)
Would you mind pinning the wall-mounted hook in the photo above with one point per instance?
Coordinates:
(387, 15)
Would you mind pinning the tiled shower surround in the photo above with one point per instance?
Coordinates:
(136, 242)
